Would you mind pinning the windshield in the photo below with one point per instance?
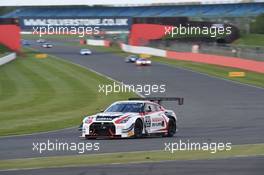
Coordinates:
(125, 107)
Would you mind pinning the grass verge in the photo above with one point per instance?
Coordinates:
(48, 94)
(251, 40)
(3, 50)
(128, 157)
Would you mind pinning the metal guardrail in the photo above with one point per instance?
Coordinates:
(7, 58)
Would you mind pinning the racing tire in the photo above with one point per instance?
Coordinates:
(90, 138)
(171, 128)
(138, 129)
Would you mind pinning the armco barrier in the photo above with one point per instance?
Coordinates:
(7, 58)
(255, 66)
(98, 42)
(143, 50)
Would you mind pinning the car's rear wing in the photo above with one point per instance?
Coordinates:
(160, 99)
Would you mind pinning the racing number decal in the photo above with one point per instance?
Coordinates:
(147, 121)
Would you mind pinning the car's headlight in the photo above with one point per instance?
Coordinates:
(125, 120)
(88, 120)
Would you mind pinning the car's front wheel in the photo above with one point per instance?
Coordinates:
(138, 129)
(171, 128)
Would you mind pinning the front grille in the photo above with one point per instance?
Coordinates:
(102, 129)
(105, 118)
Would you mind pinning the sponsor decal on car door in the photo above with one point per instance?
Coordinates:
(153, 119)
(157, 122)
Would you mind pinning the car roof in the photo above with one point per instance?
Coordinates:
(135, 101)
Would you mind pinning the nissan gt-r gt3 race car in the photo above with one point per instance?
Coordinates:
(136, 117)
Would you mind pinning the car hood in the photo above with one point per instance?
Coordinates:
(110, 116)
(85, 50)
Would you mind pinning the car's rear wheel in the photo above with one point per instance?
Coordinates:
(171, 128)
(138, 129)
(90, 138)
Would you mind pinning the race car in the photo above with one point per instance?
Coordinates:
(131, 58)
(143, 62)
(41, 40)
(136, 117)
(85, 52)
(47, 45)
(25, 42)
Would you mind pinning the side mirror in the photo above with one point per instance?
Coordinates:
(101, 110)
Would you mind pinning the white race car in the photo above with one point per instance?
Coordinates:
(41, 40)
(136, 118)
(143, 62)
(85, 52)
(47, 45)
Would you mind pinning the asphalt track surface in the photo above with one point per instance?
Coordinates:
(234, 166)
(215, 110)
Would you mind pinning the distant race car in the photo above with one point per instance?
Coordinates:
(41, 40)
(143, 62)
(132, 58)
(25, 42)
(85, 52)
(47, 45)
(136, 117)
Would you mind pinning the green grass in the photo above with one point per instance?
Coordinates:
(252, 78)
(48, 94)
(3, 50)
(251, 40)
(128, 157)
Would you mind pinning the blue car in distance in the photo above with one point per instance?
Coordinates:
(132, 58)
